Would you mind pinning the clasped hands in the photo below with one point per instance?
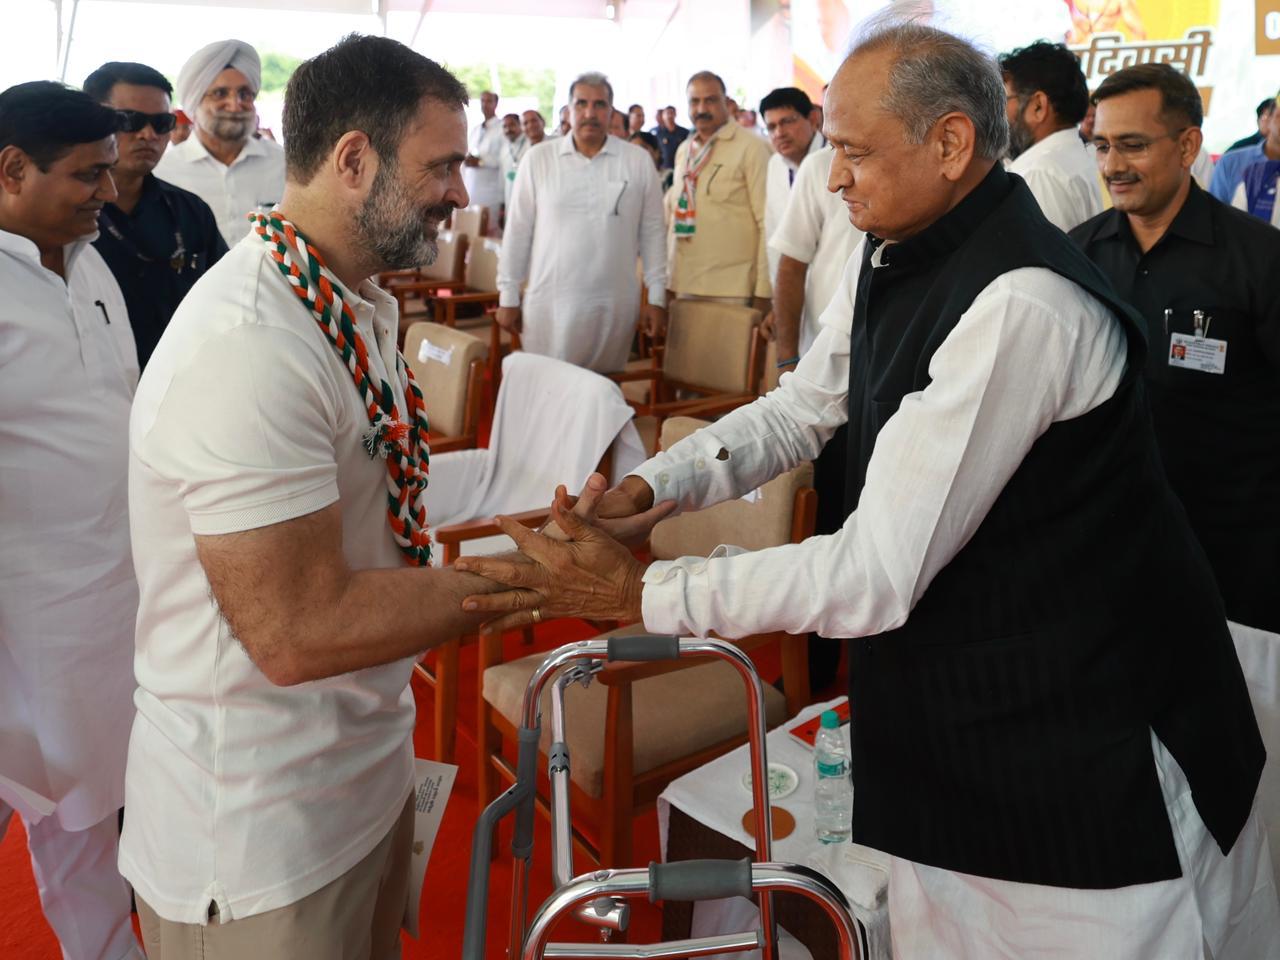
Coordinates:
(579, 565)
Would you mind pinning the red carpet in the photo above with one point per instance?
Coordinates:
(24, 935)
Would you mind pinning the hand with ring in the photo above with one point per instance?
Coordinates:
(590, 575)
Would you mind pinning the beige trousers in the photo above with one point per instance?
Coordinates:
(355, 917)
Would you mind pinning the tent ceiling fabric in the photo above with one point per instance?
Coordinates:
(590, 9)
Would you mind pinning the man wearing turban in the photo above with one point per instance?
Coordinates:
(224, 164)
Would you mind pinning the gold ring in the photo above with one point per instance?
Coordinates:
(537, 615)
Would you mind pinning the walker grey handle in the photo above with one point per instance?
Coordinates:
(688, 880)
(644, 647)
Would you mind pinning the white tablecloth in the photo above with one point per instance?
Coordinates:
(714, 795)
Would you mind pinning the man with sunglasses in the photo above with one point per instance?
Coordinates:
(223, 163)
(1204, 277)
(157, 239)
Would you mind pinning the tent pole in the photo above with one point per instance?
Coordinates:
(66, 41)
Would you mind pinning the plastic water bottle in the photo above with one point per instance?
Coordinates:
(833, 791)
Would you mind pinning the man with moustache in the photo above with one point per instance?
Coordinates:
(793, 136)
(584, 208)
(157, 239)
(718, 248)
(223, 163)
(1174, 251)
(483, 172)
(1042, 667)
(282, 605)
(68, 598)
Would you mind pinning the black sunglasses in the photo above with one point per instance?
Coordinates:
(132, 121)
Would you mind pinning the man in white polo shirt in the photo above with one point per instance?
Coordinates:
(224, 164)
(787, 114)
(278, 464)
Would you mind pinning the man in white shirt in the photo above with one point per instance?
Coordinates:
(483, 174)
(786, 113)
(1043, 665)
(68, 598)
(1046, 99)
(584, 208)
(513, 148)
(283, 602)
(224, 164)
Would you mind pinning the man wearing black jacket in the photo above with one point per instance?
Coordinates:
(1206, 280)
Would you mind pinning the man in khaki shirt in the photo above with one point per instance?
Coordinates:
(717, 239)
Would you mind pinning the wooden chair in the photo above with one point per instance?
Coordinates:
(410, 285)
(479, 288)
(639, 726)
(449, 367)
(588, 398)
(471, 221)
(713, 355)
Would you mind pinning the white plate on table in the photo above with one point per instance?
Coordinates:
(782, 781)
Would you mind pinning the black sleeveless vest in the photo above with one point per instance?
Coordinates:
(1003, 730)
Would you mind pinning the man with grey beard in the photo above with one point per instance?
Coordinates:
(224, 164)
(270, 766)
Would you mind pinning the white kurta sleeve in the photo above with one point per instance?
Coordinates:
(800, 228)
(653, 240)
(517, 236)
(1032, 349)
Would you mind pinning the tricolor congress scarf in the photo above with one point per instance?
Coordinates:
(401, 442)
(686, 206)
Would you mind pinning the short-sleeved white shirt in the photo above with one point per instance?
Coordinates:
(242, 793)
(815, 229)
(253, 181)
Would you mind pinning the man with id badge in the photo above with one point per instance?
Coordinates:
(157, 239)
(583, 208)
(1205, 278)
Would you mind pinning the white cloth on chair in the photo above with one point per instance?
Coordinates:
(552, 425)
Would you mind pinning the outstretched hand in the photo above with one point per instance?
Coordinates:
(589, 575)
(626, 512)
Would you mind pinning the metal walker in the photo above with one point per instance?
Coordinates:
(599, 898)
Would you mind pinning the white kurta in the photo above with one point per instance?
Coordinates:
(254, 181)
(779, 182)
(513, 152)
(815, 229)
(574, 229)
(1031, 350)
(68, 370)
(484, 182)
(1063, 178)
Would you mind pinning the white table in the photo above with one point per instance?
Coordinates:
(714, 796)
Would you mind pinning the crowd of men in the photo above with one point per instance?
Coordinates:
(1030, 337)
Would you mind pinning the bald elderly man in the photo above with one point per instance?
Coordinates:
(224, 163)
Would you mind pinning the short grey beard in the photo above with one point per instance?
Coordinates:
(229, 127)
(391, 230)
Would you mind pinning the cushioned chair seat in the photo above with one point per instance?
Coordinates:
(675, 714)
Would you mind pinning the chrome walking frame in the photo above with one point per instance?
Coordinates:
(599, 898)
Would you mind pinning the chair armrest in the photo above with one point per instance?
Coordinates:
(449, 444)
(455, 533)
(702, 408)
(472, 296)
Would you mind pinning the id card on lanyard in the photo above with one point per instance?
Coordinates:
(1197, 351)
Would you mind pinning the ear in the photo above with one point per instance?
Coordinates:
(14, 167)
(354, 160)
(1190, 143)
(954, 137)
(1039, 103)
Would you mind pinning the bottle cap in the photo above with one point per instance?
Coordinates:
(830, 720)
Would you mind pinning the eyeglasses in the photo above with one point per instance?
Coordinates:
(245, 94)
(132, 121)
(1132, 147)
